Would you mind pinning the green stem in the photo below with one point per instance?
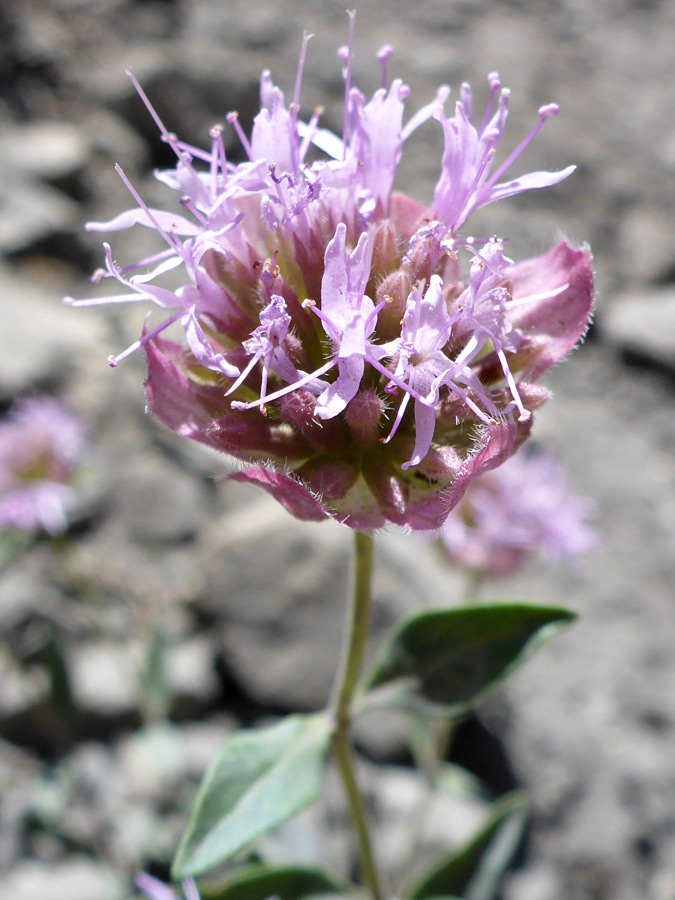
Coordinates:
(343, 695)
(357, 630)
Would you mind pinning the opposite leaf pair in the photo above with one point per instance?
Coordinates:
(441, 661)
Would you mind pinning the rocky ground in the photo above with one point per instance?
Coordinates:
(97, 772)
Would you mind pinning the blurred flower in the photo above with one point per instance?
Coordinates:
(521, 509)
(317, 304)
(157, 890)
(41, 446)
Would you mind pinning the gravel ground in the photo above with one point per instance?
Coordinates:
(99, 784)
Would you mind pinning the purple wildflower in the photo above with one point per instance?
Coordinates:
(521, 509)
(157, 890)
(41, 446)
(318, 303)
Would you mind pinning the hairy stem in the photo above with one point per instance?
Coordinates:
(343, 694)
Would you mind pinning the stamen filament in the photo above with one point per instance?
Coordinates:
(148, 336)
(293, 387)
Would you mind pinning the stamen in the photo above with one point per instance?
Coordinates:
(148, 336)
(187, 203)
(525, 414)
(192, 151)
(488, 263)
(168, 136)
(348, 81)
(171, 241)
(494, 83)
(470, 403)
(383, 55)
(380, 306)
(545, 112)
(244, 374)
(148, 261)
(329, 326)
(376, 364)
(397, 421)
(295, 108)
(97, 301)
(310, 132)
(468, 352)
(544, 295)
(236, 404)
(218, 158)
(233, 119)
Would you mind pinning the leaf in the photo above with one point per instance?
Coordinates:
(13, 544)
(60, 682)
(155, 685)
(445, 661)
(284, 882)
(455, 781)
(474, 871)
(260, 779)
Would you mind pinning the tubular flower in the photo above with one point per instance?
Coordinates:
(508, 516)
(318, 304)
(155, 889)
(41, 446)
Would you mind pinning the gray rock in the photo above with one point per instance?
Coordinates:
(281, 587)
(21, 689)
(646, 246)
(415, 824)
(44, 149)
(31, 211)
(160, 503)
(23, 592)
(595, 707)
(44, 339)
(192, 675)
(77, 878)
(643, 322)
(105, 677)
(19, 772)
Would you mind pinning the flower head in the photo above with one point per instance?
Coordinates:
(361, 358)
(522, 509)
(41, 446)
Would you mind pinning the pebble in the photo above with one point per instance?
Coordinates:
(642, 322)
(43, 340)
(77, 878)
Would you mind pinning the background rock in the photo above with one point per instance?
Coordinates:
(251, 602)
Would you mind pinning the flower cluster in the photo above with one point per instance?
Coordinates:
(41, 446)
(344, 341)
(515, 512)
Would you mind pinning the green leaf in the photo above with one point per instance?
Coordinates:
(284, 882)
(13, 544)
(475, 870)
(456, 781)
(156, 692)
(445, 661)
(260, 779)
(60, 684)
